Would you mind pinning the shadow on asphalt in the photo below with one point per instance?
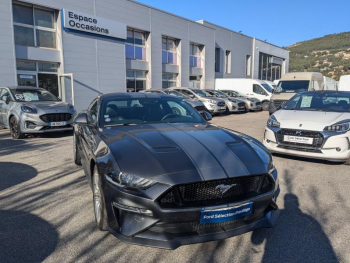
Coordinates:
(15, 173)
(25, 237)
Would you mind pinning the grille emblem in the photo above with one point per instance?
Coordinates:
(300, 125)
(298, 133)
(223, 188)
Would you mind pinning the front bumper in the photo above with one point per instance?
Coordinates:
(328, 151)
(170, 228)
(253, 106)
(235, 107)
(31, 123)
(214, 108)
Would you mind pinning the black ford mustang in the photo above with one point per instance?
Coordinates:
(162, 176)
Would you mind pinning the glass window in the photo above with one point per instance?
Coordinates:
(258, 90)
(169, 80)
(164, 57)
(130, 37)
(92, 112)
(139, 38)
(26, 65)
(140, 53)
(26, 80)
(135, 80)
(267, 87)
(169, 55)
(45, 38)
(21, 94)
(164, 43)
(135, 49)
(217, 59)
(22, 14)
(44, 18)
(129, 51)
(48, 67)
(24, 36)
(171, 45)
(195, 59)
(293, 86)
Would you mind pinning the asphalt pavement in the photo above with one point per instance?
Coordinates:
(46, 211)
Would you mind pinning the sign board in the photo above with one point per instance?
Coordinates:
(26, 76)
(73, 20)
(276, 60)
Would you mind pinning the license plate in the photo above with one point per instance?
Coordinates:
(298, 139)
(227, 214)
(58, 123)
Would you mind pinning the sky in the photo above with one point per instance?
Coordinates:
(280, 22)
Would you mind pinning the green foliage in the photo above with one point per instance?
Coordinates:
(305, 54)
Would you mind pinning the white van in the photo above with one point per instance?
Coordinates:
(344, 83)
(329, 83)
(252, 88)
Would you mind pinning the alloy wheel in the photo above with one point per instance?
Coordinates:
(14, 127)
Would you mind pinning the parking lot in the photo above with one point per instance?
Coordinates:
(46, 211)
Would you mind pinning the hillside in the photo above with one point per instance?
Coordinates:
(329, 55)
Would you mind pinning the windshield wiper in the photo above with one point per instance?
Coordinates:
(122, 124)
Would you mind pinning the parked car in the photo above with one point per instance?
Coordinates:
(314, 124)
(213, 105)
(195, 103)
(160, 179)
(292, 83)
(27, 110)
(252, 88)
(232, 105)
(252, 104)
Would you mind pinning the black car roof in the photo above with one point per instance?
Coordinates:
(134, 95)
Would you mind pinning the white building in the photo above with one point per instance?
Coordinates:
(102, 46)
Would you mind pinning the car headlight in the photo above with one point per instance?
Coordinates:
(271, 167)
(338, 127)
(234, 101)
(127, 180)
(212, 101)
(28, 109)
(272, 122)
(71, 107)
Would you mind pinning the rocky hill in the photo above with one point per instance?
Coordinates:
(329, 55)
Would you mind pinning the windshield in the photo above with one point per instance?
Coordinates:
(293, 86)
(175, 93)
(124, 111)
(219, 93)
(338, 102)
(238, 94)
(267, 87)
(33, 95)
(201, 93)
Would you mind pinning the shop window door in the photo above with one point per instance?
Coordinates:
(49, 82)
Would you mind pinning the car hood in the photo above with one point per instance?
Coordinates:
(180, 153)
(193, 102)
(49, 106)
(309, 120)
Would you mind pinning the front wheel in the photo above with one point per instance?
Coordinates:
(15, 129)
(265, 106)
(99, 202)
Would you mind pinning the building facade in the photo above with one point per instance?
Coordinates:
(79, 49)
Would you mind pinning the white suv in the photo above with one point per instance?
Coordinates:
(313, 124)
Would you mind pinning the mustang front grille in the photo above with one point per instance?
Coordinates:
(208, 193)
(315, 135)
(55, 117)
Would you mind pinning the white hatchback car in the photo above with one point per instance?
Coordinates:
(314, 124)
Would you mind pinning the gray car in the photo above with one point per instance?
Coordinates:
(232, 105)
(27, 110)
(195, 103)
(213, 105)
(252, 104)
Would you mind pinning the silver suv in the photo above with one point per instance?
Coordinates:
(252, 104)
(213, 105)
(33, 110)
(232, 105)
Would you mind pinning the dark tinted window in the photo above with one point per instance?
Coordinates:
(121, 111)
(92, 111)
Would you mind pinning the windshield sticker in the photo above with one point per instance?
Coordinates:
(19, 96)
(107, 120)
(306, 102)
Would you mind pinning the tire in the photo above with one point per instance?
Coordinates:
(99, 202)
(265, 106)
(76, 154)
(15, 129)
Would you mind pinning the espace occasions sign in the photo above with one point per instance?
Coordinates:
(73, 20)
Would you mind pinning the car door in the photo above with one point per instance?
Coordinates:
(87, 132)
(259, 92)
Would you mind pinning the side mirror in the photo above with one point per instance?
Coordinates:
(81, 118)
(207, 116)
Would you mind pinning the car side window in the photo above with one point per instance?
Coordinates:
(92, 112)
(258, 90)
